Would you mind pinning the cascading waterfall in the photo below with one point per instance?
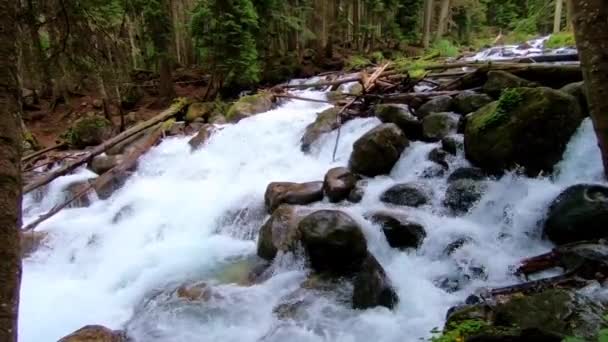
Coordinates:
(189, 216)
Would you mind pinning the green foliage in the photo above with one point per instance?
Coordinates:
(415, 67)
(458, 332)
(225, 33)
(357, 62)
(444, 48)
(560, 40)
(509, 100)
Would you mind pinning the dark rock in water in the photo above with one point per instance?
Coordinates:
(400, 115)
(338, 183)
(357, 193)
(499, 80)
(278, 193)
(372, 287)
(117, 182)
(250, 105)
(456, 244)
(333, 241)
(325, 122)
(75, 188)
(378, 150)
(554, 311)
(433, 171)
(462, 123)
(452, 144)
(31, 241)
(95, 333)
(463, 194)
(437, 126)
(279, 232)
(471, 173)
(408, 194)
(399, 231)
(469, 101)
(579, 91)
(579, 213)
(439, 156)
(202, 136)
(435, 105)
(102, 163)
(527, 127)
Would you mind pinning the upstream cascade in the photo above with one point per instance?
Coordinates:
(194, 216)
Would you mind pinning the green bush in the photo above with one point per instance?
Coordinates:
(444, 48)
(562, 39)
(357, 62)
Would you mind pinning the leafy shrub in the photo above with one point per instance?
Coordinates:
(562, 39)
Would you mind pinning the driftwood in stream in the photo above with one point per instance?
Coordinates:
(409, 98)
(167, 114)
(43, 151)
(105, 179)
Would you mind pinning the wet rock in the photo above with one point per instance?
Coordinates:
(372, 287)
(437, 126)
(117, 182)
(433, 171)
(527, 127)
(500, 80)
(469, 101)
(195, 292)
(31, 241)
(398, 230)
(456, 244)
(439, 156)
(435, 105)
(555, 311)
(75, 188)
(95, 333)
(338, 183)
(202, 136)
(579, 91)
(378, 150)
(103, 163)
(278, 193)
(407, 194)
(279, 232)
(463, 194)
(218, 120)
(452, 144)
(471, 173)
(579, 213)
(357, 193)
(325, 122)
(400, 115)
(88, 131)
(333, 241)
(198, 110)
(250, 105)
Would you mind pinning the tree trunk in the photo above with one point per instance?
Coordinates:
(428, 17)
(443, 18)
(569, 13)
(10, 173)
(557, 19)
(591, 32)
(166, 90)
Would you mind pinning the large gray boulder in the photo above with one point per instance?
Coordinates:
(279, 232)
(338, 183)
(499, 80)
(278, 193)
(378, 150)
(325, 122)
(437, 126)
(469, 101)
(406, 194)
(437, 104)
(400, 115)
(372, 287)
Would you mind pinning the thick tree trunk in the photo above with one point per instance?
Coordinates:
(443, 18)
(166, 90)
(591, 30)
(428, 17)
(569, 14)
(10, 174)
(557, 19)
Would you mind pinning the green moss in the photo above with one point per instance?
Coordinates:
(357, 62)
(562, 39)
(87, 131)
(459, 331)
(415, 67)
(444, 48)
(249, 105)
(508, 101)
(377, 57)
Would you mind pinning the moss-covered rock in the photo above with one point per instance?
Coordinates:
(29, 142)
(88, 131)
(199, 110)
(325, 122)
(579, 91)
(250, 105)
(378, 150)
(500, 80)
(529, 127)
(437, 126)
(469, 101)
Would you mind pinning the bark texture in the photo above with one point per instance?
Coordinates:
(10, 173)
(591, 31)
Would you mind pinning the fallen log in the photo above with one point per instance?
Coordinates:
(104, 180)
(407, 98)
(43, 151)
(294, 97)
(168, 113)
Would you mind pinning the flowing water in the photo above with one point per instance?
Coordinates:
(189, 216)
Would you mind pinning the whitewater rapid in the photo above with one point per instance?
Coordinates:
(188, 216)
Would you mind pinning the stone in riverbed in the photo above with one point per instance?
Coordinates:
(439, 156)
(469, 101)
(471, 173)
(250, 105)
(357, 193)
(437, 104)
(279, 232)
(372, 287)
(499, 80)
(325, 122)
(88, 131)
(199, 110)
(333, 242)
(461, 195)
(278, 193)
(452, 144)
(95, 333)
(437, 126)
(338, 183)
(378, 150)
(407, 194)
(400, 115)
(579, 213)
(202, 136)
(102, 163)
(398, 230)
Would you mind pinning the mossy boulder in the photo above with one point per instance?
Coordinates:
(579, 91)
(400, 115)
(378, 150)
(201, 110)
(437, 104)
(250, 105)
(88, 131)
(528, 127)
(554, 311)
(469, 101)
(437, 126)
(325, 122)
(579, 213)
(500, 80)
(29, 142)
